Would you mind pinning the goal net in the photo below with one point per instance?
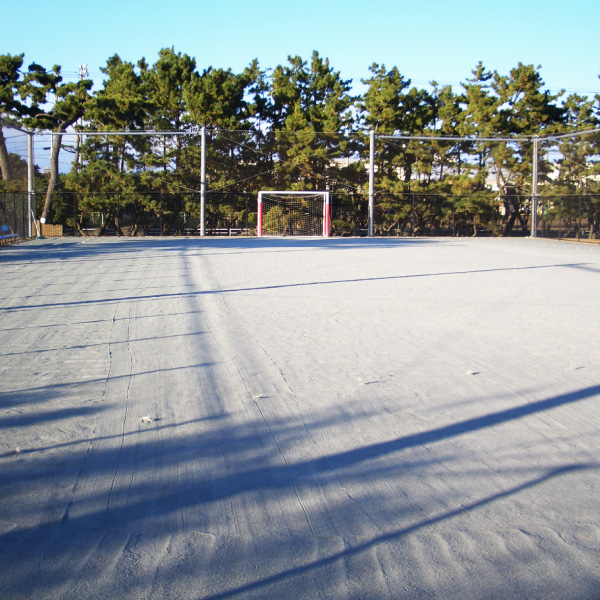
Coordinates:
(293, 213)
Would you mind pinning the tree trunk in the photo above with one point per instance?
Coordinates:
(79, 229)
(594, 226)
(53, 181)
(4, 159)
(77, 157)
(511, 221)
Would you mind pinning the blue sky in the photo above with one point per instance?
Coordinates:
(441, 40)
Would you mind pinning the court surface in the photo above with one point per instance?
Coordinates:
(299, 418)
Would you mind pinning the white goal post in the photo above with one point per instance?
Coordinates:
(282, 213)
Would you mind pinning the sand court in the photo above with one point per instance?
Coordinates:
(299, 418)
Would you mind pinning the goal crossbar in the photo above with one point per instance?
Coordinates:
(284, 213)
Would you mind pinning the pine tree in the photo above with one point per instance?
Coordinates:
(311, 113)
(12, 109)
(70, 100)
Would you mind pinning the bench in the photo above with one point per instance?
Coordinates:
(6, 237)
(360, 232)
(225, 231)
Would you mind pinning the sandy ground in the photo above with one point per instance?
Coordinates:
(247, 418)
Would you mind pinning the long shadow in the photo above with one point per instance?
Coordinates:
(305, 470)
(152, 297)
(50, 251)
(394, 535)
(69, 384)
(460, 428)
(104, 438)
(266, 475)
(96, 321)
(11, 421)
(107, 343)
(148, 499)
(591, 267)
(130, 281)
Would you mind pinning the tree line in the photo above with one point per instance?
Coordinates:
(300, 126)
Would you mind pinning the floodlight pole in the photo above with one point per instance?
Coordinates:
(371, 183)
(203, 183)
(534, 188)
(30, 183)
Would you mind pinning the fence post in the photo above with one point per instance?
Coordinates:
(534, 187)
(203, 183)
(371, 183)
(30, 184)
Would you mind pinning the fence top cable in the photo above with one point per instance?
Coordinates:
(453, 138)
(569, 135)
(197, 132)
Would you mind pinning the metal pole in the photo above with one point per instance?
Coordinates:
(371, 183)
(259, 215)
(534, 188)
(30, 183)
(326, 216)
(203, 183)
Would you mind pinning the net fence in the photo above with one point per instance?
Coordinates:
(121, 184)
(409, 214)
(14, 198)
(568, 205)
(14, 212)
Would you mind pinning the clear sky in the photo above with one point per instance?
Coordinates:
(427, 40)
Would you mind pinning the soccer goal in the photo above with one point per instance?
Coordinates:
(293, 213)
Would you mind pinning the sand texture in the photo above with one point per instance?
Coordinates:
(300, 419)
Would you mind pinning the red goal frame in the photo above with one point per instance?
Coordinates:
(326, 207)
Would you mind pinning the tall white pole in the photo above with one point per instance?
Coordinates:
(30, 183)
(534, 188)
(259, 219)
(203, 184)
(371, 183)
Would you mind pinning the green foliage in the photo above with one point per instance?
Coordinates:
(18, 170)
(12, 109)
(298, 126)
(309, 116)
(11, 106)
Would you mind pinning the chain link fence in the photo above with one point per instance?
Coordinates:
(14, 207)
(246, 161)
(569, 217)
(168, 214)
